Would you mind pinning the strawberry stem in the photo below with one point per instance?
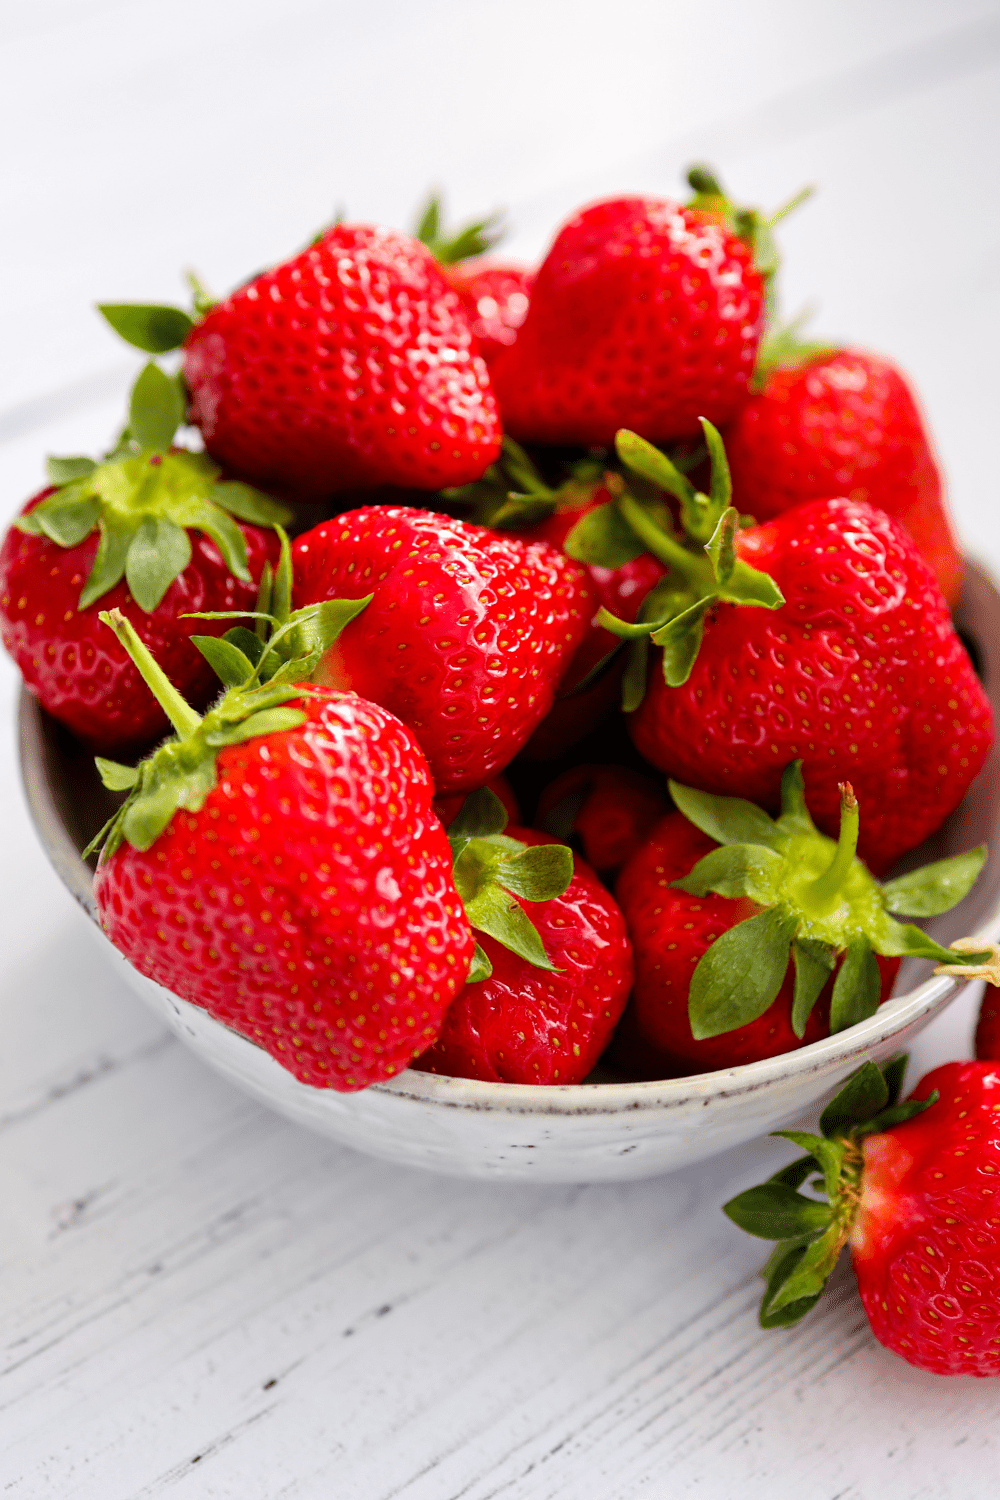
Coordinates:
(181, 715)
(662, 546)
(825, 889)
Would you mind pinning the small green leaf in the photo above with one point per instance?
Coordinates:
(156, 409)
(64, 470)
(603, 536)
(268, 721)
(780, 1270)
(635, 676)
(147, 817)
(159, 551)
(721, 547)
(727, 820)
(722, 485)
(797, 1171)
(934, 888)
(265, 588)
(224, 532)
(109, 563)
(156, 329)
(857, 988)
(894, 1071)
(117, 778)
(898, 940)
(829, 1155)
(862, 1096)
(519, 511)
(540, 873)
(430, 221)
(750, 586)
(897, 1114)
(248, 504)
(807, 1279)
(246, 641)
(794, 812)
(681, 640)
(492, 911)
(480, 967)
(643, 459)
(67, 516)
(774, 1211)
(814, 963)
(735, 870)
(227, 661)
(481, 814)
(737, 978)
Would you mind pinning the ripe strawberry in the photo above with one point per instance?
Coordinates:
(644, 313)
(988, 1025)
(348, 367)
(736, 946)
(914, 1189)
(525, 1024)
(843, 423)
(467, 636)
(149, 531)
(496, 296)
(449, 807)
(607, 810)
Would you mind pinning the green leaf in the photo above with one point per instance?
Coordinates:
(248, 504)
(814, 963)
(748, 585)
(635, 676)
(491, 910)
(64, 470)
(603, 536)
(780, 1270)
(862, 1096)
(519, 511)
(159, 551)
(109, 562)
(226, 660)
(829, 1155)
(224, 532)
(540, 873)
(727, 820)
(264, 620)
(897, 1114)
(67, 516)
(681, 641)
(156, 409)
(117, 778)
(797, 1171)
(156, 329)
(481, 814)
(857, 988)
(794, 812)
(807, 1279)
(721, 547)
(268, 721)
(735, 870)
(934, 888)
(643, 459)
(245, 641)
(737, 978)
(774, 1211)
(894, 1071)
(898, 940)
(430, 221)
(480, 967)
(722, 485)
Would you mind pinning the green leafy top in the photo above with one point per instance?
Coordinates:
(491, 869)
(473, 239)
(144, 498)
(811, 1233)
(817, 901)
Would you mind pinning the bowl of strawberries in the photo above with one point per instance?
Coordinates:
(519, 723)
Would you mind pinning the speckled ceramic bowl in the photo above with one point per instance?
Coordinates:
(580, 1133)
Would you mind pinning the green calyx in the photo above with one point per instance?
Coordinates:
(512, 494)
(812, 1232)
(263, 671)
(703, 568)
(818, 903)
(784, 348)
(144, 498)
(491, 869)
(473, 239)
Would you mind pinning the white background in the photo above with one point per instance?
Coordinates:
(196, 1299)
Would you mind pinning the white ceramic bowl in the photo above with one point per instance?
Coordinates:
(576, 1133)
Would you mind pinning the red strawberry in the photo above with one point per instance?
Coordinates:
(643, 313)
(608, 809)
(149, 532)
(449, 807)
(914, 1189)
(466, 638)
(844, 423)
(988, 1026)
(524, 1024)
(495, 295)
(735, 946)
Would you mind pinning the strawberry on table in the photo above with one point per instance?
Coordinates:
(753, 937)
(842, 422)
(468, 635)
(524, 1023)
(914, 1190)
(152, 530)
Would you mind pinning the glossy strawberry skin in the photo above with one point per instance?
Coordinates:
(643, 315)
(845, 424)
(495, 296)
(527, 1025)
(348, 367)
(309, 904)
(859, 674)
(670, 931)
(617, 808)
(926, 1240)
(466, 639)
(74, 665)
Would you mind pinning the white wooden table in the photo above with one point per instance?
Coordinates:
(198, 1300)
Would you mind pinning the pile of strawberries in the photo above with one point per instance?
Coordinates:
(432, 569)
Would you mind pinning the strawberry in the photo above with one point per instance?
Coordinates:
(739, 924)
(449, 807)
(643, 312)
(348, 367)
(467, 636)
(843, 423)
(988, 1026)
(495, 295)
(914, 1190)
(607, 810)
(283, 868)
(854, 666)
(149, 531)
(526, 1024)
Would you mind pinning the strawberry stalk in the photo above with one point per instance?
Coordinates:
(472, 239)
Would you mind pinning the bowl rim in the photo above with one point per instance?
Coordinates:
(520, 1098)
